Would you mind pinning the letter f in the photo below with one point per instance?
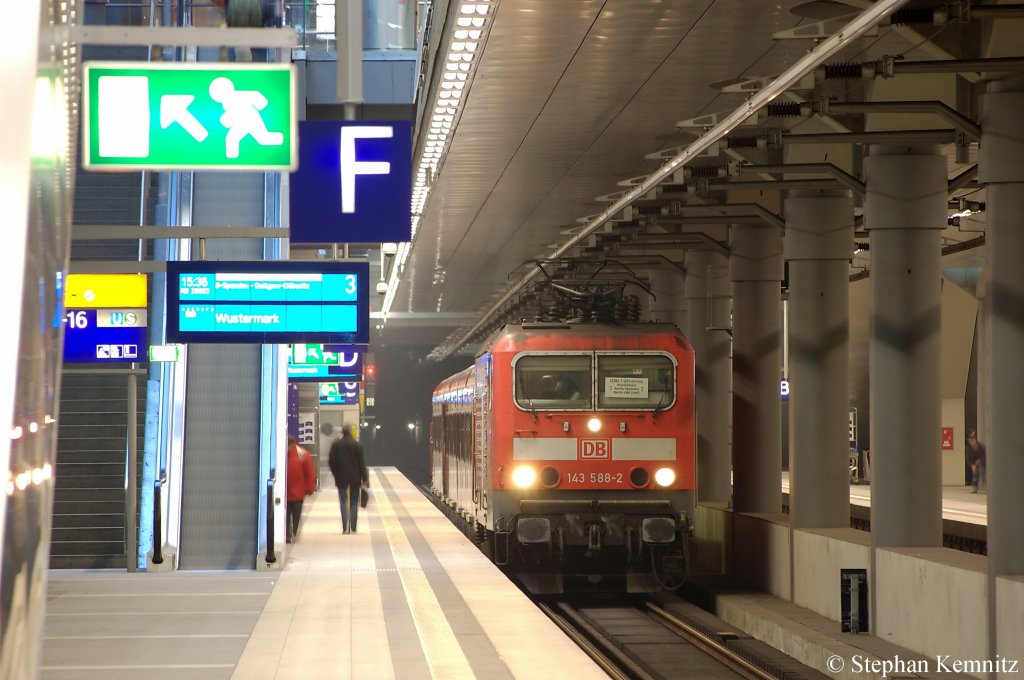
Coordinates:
(350, 167)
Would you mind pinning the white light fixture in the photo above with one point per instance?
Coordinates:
(594, 424)
(382, 287)
(466, 42)
(665, 476)
(389, 248)
(524, 476)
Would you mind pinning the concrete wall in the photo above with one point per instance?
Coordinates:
(761, 549)
(1010, 620)
(930, 601)
(819, 555)
(712, 538)
(933, 601)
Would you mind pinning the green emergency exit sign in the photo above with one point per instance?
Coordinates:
(189, 116)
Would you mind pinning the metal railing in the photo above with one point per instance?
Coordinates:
(271, 555)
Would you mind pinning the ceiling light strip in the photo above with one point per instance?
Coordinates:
(468, 35)
(868, 19)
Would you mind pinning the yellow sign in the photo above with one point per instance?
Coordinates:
(92, 291)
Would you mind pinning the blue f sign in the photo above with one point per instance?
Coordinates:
(350, 167)
(353, 184)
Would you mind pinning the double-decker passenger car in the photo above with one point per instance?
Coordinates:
(568, 452)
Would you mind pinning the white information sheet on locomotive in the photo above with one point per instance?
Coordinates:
(626, 388)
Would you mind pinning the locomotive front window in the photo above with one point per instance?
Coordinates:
(640, 381)
(550, 382)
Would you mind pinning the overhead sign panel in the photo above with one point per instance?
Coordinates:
(300, 373)
(90, 291)
(105, 320)
(346, 356)
(353, 184)
(268, 302)
(318, 363)
(188, 115)
(341, 394)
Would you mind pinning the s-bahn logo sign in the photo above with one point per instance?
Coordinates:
(594, 449)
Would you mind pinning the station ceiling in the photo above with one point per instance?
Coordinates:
(569, 101)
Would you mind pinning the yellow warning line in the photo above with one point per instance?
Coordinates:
(440, 647)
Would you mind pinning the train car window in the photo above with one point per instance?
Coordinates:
(635, 381)
(553, 382)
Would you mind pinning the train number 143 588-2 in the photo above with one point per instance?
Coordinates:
(595, 477)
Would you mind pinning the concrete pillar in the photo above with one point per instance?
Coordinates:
(905, 210)
(668, 304)
(818, 246)
(707, 287)
(1001, 168)
(755, 268)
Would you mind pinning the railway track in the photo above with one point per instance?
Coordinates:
(665, 637)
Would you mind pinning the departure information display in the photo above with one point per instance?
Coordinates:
(268, 302)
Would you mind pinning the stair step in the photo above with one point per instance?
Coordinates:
(92, 520)
(72, 535)
(88, 562)
(66, 548)
(94, 482)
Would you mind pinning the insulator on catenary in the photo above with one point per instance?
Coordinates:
(784, 109)
(705, 172)
(846, 71)
(923, 15)
(741, 142)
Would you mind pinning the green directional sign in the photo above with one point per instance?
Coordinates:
(190, 116)
(313, 355)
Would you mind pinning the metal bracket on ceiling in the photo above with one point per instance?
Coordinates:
(751, 84)
(819, 30)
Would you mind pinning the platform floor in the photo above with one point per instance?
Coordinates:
(408, 596)
(958, 502)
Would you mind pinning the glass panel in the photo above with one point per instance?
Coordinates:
(553, 382)
(387, 24)
(644, 381)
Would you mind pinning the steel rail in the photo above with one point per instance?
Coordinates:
(709, 646)
(588, 647)
(863, 22)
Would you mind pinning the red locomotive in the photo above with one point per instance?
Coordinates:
(568, 452)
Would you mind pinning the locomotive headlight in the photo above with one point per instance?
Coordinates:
(594, 424)
(665, 476)
(524, 476)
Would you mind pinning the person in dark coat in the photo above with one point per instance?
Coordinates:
(348, 465)
(301, 483)
(976, 458)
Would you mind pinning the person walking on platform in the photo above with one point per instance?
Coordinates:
(348, 465)
(301, 483)
(976, 457)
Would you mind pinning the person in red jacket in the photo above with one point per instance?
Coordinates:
(301, 483)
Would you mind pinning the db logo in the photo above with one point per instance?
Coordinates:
(593, 449)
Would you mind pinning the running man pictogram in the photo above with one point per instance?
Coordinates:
(242, 116)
